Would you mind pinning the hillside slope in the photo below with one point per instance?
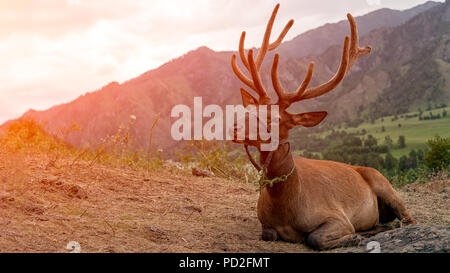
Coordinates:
(409, 66)
(316, 41)
(45, 206)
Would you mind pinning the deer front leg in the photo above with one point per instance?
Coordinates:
(333, 233)
(269, 234)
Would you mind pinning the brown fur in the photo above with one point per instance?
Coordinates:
(323, 203)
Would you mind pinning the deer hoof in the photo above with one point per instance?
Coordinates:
(408, 221)
(356, 240)
(269, 234)
(353, 240)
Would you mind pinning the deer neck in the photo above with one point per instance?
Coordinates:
(281, 163)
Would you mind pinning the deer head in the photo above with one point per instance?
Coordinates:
(350, 53)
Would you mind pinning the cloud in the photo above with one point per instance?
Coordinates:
(373, 2)
(52, 51)
(56, 17)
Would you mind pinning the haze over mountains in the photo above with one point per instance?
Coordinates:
(409, 68)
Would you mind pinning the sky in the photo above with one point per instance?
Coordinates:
(53, 51)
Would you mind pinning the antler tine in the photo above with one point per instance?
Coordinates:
(337, 78)
(254, 66)
(283, 33)
(355, 50)
(266, 45)
(242, 51)
(244, 60)
(279, 89)
(240, 74)
(351, 52)
(263, 96)
(288, 98)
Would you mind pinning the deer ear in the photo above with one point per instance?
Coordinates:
(310, 119)
(247, 99)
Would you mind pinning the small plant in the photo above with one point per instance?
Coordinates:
(121, 149)
(219, 157)
(149, 149)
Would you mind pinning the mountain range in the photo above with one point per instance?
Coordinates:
(409, 68)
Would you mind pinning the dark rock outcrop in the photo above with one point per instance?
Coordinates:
(409, 239)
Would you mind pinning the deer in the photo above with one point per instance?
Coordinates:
(324, 204)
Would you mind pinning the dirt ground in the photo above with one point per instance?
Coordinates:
(45, 204)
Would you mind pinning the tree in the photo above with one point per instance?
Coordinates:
(352, 141)
(388, 141)
(403, 163)
(420, 156)
(370, 141)
(438, 157)
(412, 160)
(401, 142)
(390, 162)
(373, 160)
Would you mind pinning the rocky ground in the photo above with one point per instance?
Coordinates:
(47, 202)
(410, 239)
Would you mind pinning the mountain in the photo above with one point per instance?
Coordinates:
(316, 41)
(201, 72)
(408, 69)
(409, 66)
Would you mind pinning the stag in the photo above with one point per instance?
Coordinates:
(322, 203)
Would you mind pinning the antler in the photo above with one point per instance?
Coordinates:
(350, 53)
(253, 66)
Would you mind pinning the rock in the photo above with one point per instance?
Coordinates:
(156, 234)
(410, 239)
(76, 191)
(49, 180)
(202, 172)
(155, 229)
(10, 233)
(4, 196)
(193, 209)
(171, 164)
(221, 246)
(52, 178)
(109, 250)
(32, 209)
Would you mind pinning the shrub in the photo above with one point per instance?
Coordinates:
(27, 133)
(438, 157)
(401, 142)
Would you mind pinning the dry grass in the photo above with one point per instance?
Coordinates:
(45, 206)
(429, 202)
